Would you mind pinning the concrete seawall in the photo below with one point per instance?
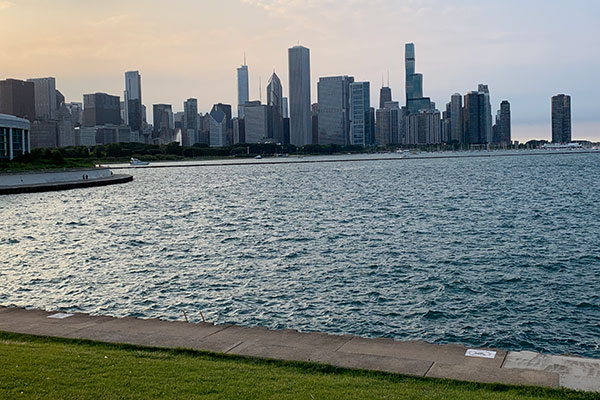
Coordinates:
(46, 181)
(421, 359)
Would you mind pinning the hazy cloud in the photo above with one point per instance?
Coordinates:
(6, 4)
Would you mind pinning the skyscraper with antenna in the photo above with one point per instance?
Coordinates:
(243, 90)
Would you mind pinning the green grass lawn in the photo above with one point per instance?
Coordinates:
(38, 368)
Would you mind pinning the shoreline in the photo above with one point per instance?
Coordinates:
(417, 358)
(66, 185)
(301, 160)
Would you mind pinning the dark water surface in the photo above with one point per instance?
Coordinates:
(501, 252)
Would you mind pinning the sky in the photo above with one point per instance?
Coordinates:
(525, 50)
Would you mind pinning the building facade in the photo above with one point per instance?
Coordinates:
(45, 98)
(360, 114)
(414, 83)
(218, 127)
(17, 98)
(275, 103)
(334, 109)
(256, 122)
(14, 136)
(474, 119)
(299, 79)
(101, 109)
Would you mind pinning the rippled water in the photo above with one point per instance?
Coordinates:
(501, 252)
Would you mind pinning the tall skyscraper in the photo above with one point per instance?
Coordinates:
(414, 83)
(502, 129)
(424, 127)
(133, 101)
(275, 104)
(17, 98)
(456, 133)
(190, 122)
(561, 119)
(218, 127)
(256, 122)
(299, 78)
(360, 114)
(488, 112)
(385, 95)
(334, 109)
(474, 118)
(242, 88)
(45, 98)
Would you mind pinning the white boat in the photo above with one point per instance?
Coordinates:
(135, 162)
(258, 157)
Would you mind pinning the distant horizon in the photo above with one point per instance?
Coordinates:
(526, 53)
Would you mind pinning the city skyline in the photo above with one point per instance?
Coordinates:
(496, 53)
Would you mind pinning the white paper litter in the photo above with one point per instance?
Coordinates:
(480, 353)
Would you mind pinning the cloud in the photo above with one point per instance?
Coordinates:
(4, 4)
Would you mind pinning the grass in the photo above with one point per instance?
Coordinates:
(44, 165)
(51, 368)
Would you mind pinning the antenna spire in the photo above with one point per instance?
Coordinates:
(260, 88)
(388, 77)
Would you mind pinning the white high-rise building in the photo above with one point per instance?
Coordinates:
(242, 86)
(299, 78)
(44, 90)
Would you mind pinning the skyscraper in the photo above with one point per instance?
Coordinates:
(190, 122)
(133, 101)
(163, 122)
(414, 83)
(218, 127)
(299, 78)
(360, 114)
(488, 112)
(101, 109)
(275, 104)
(502, 131)
(456, 133)
(45, 98)
(385, 95)
(474, 118)
(334, 109)
(17, 98)
(561, 119)
(242, 88)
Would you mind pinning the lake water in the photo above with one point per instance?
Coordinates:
(500, 251)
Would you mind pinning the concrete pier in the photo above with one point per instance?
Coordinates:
(408, 358)
(48, 181)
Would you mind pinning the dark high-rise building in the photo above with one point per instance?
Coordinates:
(299, 80)
(334, 109)
(385, 95)
(162, 120)
(190, 121)
(561, 119)
(414, 84)
(502, 129)
(133, 101)
(17, 98)
(275, 104)
(475, 121)
(314, 118)
(101, 109)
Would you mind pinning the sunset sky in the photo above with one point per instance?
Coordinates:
(525, 50)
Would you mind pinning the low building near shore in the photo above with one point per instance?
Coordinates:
(14, 136)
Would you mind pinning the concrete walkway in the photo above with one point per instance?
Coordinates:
(409, 358)
(57, 186)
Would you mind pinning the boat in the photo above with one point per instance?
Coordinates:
(134, 162)
(258, 157)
